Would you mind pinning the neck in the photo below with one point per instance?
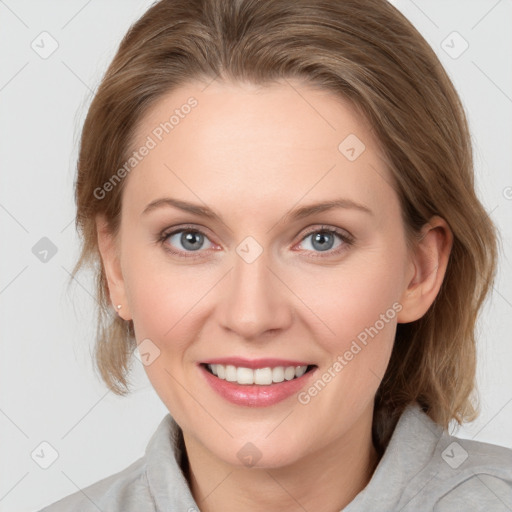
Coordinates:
(324, 480)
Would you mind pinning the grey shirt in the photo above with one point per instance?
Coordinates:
(422, 469)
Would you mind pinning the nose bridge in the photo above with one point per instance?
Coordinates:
(253, 302)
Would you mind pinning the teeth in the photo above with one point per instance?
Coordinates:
(278, 374)
(263, 376)
(244, 375)
(260, 376)
(300, 371)
(289, 372)
(231, 373)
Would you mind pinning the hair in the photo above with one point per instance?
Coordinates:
(367, 53)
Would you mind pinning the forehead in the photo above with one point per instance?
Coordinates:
(257, 144)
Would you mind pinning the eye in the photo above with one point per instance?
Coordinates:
(184, 240)
(324, 239)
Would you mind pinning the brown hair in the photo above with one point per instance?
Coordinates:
(366, 52)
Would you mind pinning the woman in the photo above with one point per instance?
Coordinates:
(279, 197)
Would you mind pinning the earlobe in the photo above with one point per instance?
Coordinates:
(429, 262)
(108, 249)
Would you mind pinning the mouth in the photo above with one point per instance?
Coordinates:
(264, 376)
(256, 382)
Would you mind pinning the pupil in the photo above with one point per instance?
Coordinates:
(189, 240)
(321, 237)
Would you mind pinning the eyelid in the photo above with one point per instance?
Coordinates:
(183, 227)
(344, 235)
(166, 233)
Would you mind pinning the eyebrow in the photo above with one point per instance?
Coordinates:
(296, 214)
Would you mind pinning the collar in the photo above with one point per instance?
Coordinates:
(410, 449)
(412, 443)
(166, 481)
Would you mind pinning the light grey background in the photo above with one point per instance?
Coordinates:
(49, 391)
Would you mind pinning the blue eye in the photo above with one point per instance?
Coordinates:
(191, 240)
(323, 240)
(188, 241)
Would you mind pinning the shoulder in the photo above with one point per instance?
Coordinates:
(125, 491)
(440, 472)
(153, 482)
(473, 472)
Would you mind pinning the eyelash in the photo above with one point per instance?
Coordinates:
(347, 240)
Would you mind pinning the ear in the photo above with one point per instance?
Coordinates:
(109, 250)
(428, 267)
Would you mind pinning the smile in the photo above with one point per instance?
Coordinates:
(256, 383)
(259, 376)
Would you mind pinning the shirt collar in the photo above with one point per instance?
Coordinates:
(412, 444)
(409, 450)
(167, 484)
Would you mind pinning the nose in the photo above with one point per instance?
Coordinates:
(255, 302)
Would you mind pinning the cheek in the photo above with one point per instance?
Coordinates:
(162, 297)
(165, 297)
(354, 297)
(155, 290)
(360, 305)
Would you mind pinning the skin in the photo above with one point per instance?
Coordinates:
(252, 155)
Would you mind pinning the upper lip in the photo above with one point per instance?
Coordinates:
(255, 363)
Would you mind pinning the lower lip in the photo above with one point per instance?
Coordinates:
(254, 395)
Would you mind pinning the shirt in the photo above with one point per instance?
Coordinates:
(422, 469)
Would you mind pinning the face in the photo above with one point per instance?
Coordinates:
(223, 260)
